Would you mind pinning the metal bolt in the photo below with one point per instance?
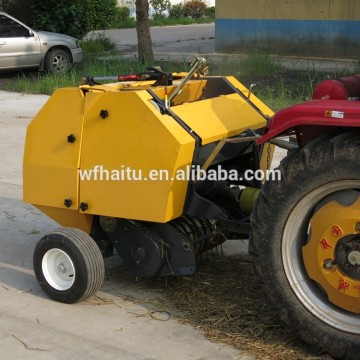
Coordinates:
(68, 202)
(84, 206)
(328, 264)
(71, 138)
(104, 114)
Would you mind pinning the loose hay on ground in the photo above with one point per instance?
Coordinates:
(224, 300)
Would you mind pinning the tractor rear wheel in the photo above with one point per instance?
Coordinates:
(305, 243)
(68, 265)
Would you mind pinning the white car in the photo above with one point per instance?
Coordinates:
(21, 48)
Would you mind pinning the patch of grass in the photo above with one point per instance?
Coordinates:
(39, 83)
(268, 75)
(97, 44)
(108, 66)
(91, 66)
(276, 86)
(252, 65)
(127, 23)
(258, 65)
(276, 97)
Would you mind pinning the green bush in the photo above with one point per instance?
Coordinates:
(210, 12)
(122, 18)
(195, 9)
(177, 11)
(101, 13)
(73, 17)
(122, 14)
(20, 9)
(57, 16)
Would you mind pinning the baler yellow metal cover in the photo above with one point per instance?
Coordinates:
(82, 136)
(135, 136)
(223, 116)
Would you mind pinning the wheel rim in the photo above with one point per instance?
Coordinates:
(58, 269)
(294, 243)
(59, 63)
(332, 255)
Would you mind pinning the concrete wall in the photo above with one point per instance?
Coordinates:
(313, 28)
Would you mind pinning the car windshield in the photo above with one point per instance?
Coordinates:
(11, 28)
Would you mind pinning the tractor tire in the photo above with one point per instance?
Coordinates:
(318, 180)
(68, 265)
(57, 61)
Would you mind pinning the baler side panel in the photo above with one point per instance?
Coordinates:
(68, 218)
(50, 161)
(137, 136)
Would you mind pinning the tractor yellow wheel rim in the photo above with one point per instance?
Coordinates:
(332, 253)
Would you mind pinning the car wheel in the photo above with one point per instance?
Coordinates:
(57, 61)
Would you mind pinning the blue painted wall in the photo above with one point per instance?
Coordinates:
(318, 28)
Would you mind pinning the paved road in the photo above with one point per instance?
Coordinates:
(183, 42)
(174, 41)
(107, 326)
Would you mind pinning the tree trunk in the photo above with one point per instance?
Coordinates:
(145, 52)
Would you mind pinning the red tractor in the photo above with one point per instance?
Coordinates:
(306, 228)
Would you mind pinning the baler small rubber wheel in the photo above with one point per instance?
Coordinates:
(68, 265)
(299, 226)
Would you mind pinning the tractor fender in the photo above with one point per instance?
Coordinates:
(315, 113)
